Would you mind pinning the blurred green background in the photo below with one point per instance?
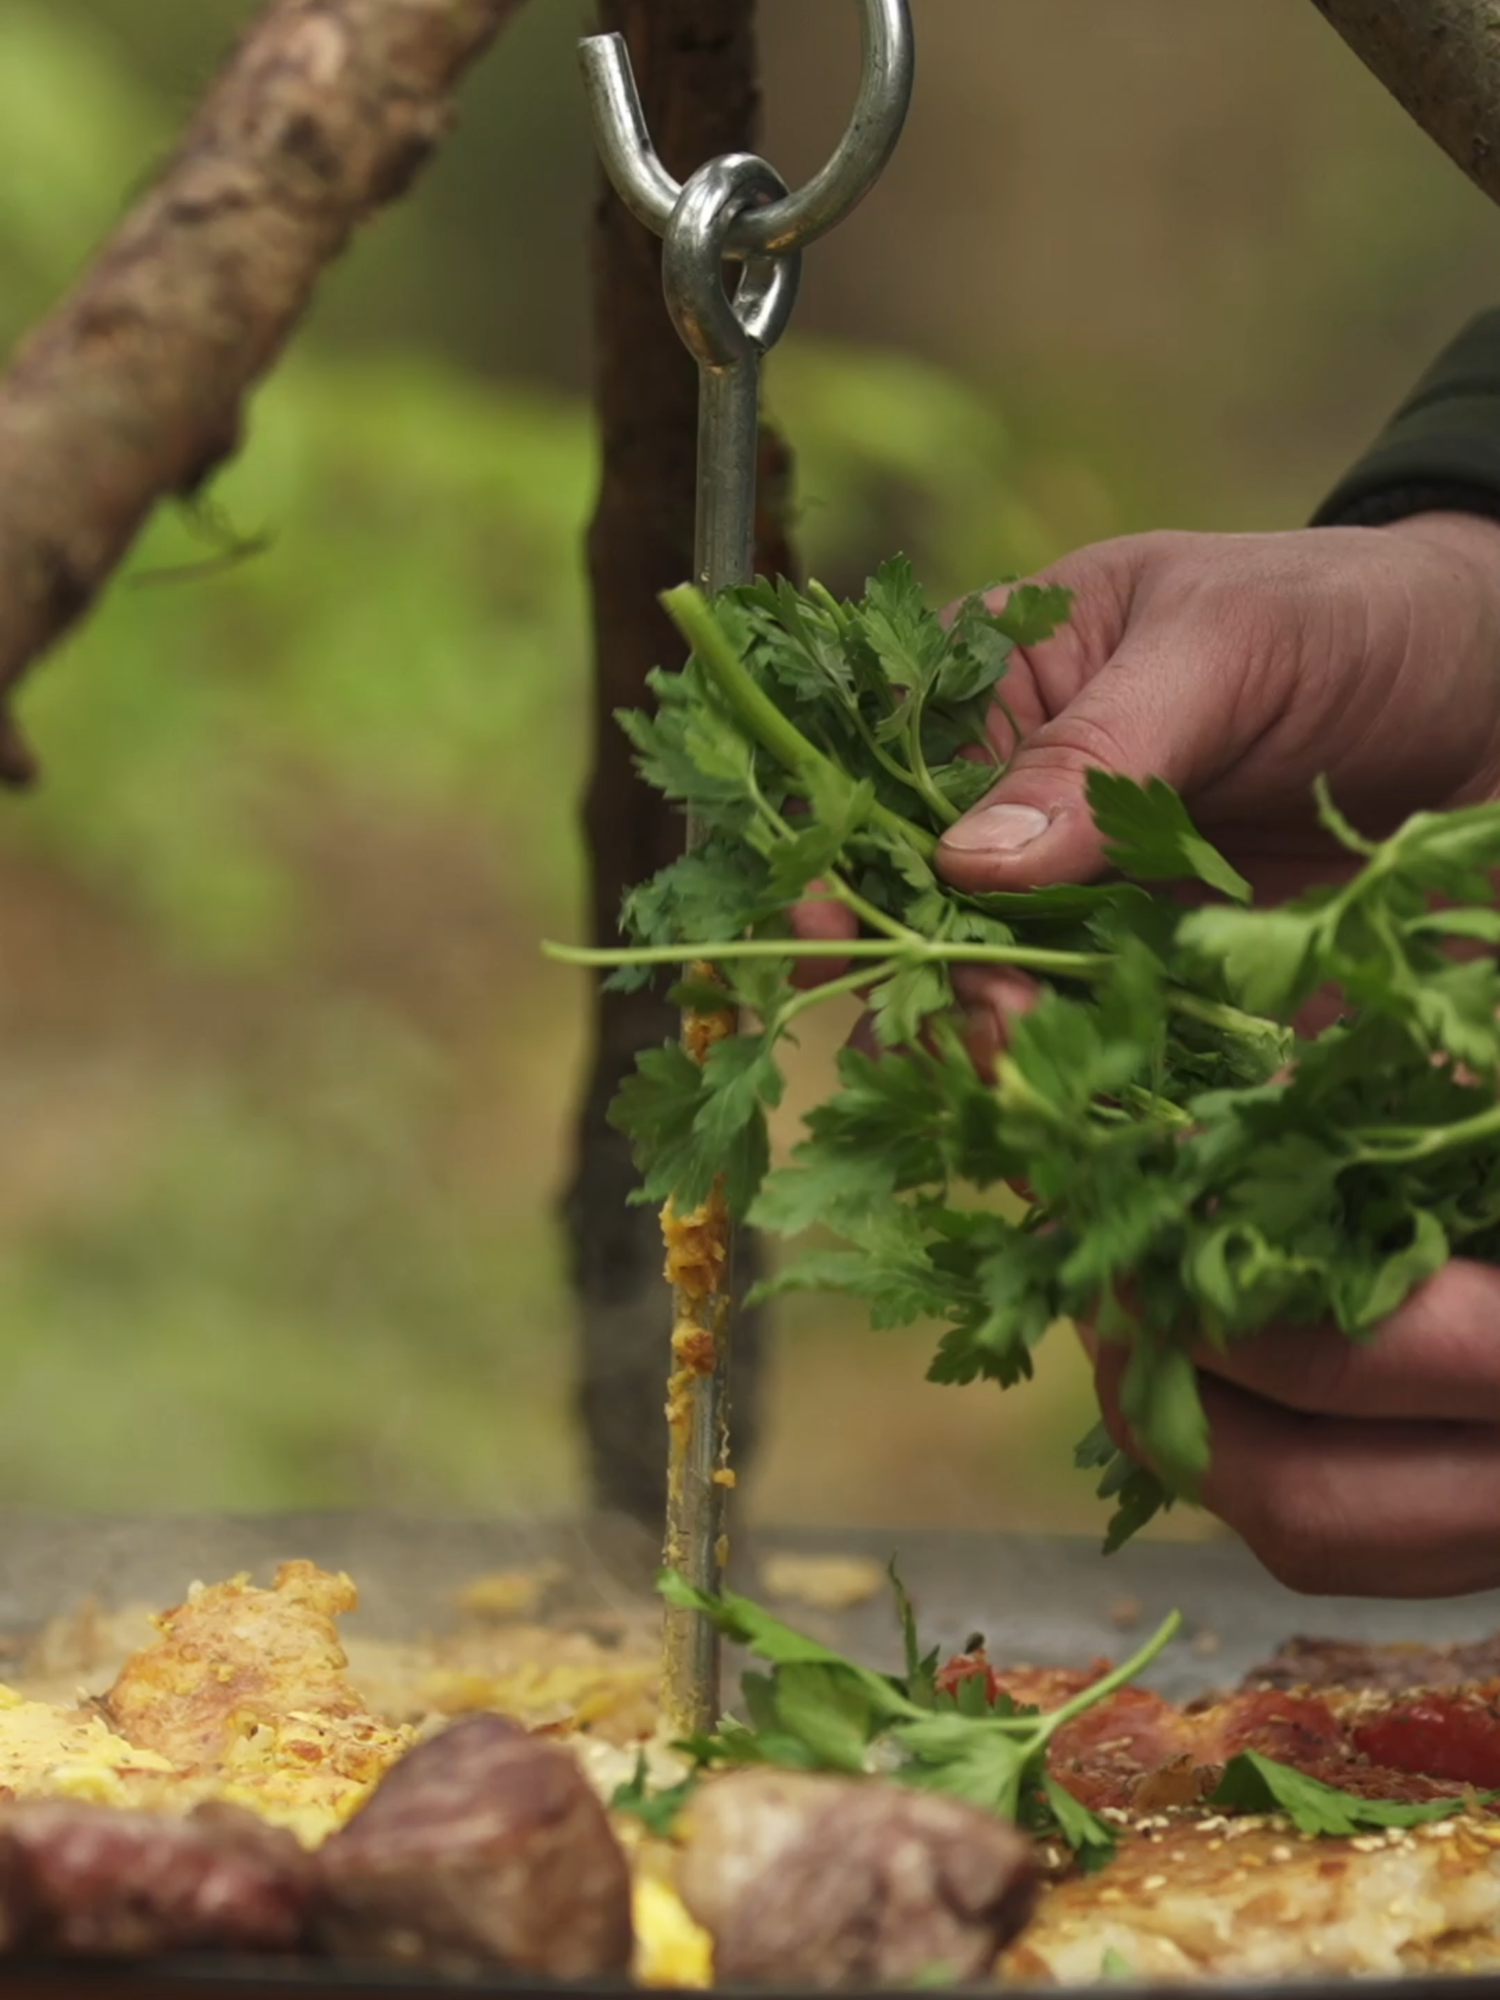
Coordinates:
(284, 1082)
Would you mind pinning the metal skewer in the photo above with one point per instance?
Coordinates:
(735, 208)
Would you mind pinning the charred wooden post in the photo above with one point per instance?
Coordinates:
(1440, 60)
(133, 391)
(695, 62)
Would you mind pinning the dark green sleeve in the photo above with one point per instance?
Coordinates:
(1441, 450)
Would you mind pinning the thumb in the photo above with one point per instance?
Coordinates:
(1035, 827)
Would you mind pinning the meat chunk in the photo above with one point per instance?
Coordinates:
(1352, 1664)
(233, 1656)
(837, 1882)
(252, 1685)
(485, 1846)
(95, 1881)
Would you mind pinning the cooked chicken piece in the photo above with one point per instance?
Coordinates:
(252, 1685)
(836, 1882)
(1251, 1899)
(484, 1847)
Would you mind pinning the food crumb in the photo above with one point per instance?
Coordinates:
(825, 1583)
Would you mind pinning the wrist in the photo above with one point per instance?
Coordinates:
(1467, 536)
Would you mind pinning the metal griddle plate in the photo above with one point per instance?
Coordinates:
(1038, 1599)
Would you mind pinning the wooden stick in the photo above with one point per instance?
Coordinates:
(134, 389)
(1440, 60)
(696, 66)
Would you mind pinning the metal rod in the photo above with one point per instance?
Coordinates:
(735, 208)
(728, 337)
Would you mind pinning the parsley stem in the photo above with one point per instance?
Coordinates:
(1118, 1677)
(694, 618)
(922, 951)
(940, 807)
(1219, 1014)
(867, 913)
(831, 989)
(1402, 1145)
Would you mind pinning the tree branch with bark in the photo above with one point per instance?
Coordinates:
(1440, 60)
(134, 389)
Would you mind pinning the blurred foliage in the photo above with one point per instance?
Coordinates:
(280, 1294)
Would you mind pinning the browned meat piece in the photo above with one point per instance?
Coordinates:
(95, 1881)
(834, 1882)
(485, 1846)
(1351, 1664)
(234, 1658)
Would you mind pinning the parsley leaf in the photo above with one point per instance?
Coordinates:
(1257, 1784)
(1149, 836)
(658, 1811)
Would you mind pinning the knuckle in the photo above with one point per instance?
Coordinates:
(1077, 741)
(1295, 1533)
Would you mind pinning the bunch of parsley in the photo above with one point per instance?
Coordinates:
(1196, 1169)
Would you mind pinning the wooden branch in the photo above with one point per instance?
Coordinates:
(134, 389)
(696, 64)
(1440, 60)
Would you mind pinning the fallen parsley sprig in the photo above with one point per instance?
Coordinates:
(658, 1810)
(816, 1711)
(1196, 1169)
(1252, 1783)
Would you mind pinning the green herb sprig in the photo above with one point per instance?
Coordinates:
(817, 1711)
(1196, 1169)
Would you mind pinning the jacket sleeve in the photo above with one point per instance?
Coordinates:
(1441, 450)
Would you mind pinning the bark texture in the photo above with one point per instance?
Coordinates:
(1440, 60)
(134, 389)
(695, 62)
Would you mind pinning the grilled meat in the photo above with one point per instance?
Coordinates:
(247, 1694)
(96, 1881)
(233, 1658)
(1139, 1751)
(1351, 1664)
(835, 1882)
(485, 1846)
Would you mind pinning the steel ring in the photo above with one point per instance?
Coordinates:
(723, 331)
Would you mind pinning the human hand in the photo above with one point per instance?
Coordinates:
(1358, 1469)
(1239, 668)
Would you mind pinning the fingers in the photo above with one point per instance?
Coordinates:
(1141, 716)
(989, 1001)
(1150, 686)
(1358, 1471)
(1356, 1509)
(821, 921)
(1437, 1358)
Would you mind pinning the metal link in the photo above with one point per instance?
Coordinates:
(721, 331)
(793, 221)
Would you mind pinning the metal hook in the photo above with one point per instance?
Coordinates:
(795, 220)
